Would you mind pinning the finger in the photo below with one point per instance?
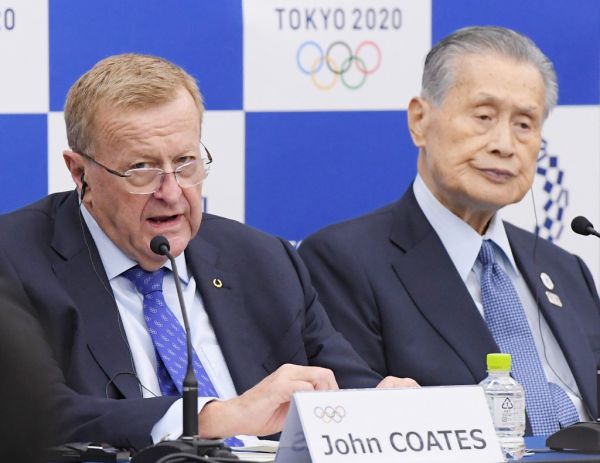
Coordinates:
(321, 378)
(391, 382)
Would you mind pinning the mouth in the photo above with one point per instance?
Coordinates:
(164, 220)
(498, 175)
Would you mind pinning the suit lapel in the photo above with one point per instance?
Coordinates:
(562, 320)
(222, 295)
(82, 274)
(442, 297)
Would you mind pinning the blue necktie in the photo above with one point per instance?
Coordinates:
(547, 404)
(169, 339)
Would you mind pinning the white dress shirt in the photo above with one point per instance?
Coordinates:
(130, 304)
(463, 244)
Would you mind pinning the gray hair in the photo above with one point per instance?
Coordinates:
(439, 65)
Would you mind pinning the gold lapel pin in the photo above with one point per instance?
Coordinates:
(217, 283)
(548, 283)
(554, 299)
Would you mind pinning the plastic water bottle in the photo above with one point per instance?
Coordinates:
(506, 399)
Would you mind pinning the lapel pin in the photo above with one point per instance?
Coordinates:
(548, 283)
(554, 299)
(217, 283)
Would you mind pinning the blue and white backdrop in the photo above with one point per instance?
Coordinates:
(296, 145)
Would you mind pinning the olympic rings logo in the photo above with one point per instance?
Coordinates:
(330, 414)
(351, 67)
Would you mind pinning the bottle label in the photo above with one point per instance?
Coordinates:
(507, 411)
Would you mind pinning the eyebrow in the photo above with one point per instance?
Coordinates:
(154, 155)
(486, 98)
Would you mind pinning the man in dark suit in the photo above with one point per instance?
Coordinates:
(28, 374)
(412, 285)
(108, 304)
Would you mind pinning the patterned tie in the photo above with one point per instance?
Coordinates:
(169, 339)
(547, 404)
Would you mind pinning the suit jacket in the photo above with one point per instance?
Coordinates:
(28, 374)
(265, 314)
(391, 288)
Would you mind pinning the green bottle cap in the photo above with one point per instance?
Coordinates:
(498, 362)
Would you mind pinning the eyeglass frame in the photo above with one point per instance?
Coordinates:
(174, 172)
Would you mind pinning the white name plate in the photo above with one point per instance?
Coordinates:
(430, 424)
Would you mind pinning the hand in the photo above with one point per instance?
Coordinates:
(393, 382)
(262, 410)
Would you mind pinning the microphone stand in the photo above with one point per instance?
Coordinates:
(190, 382)
(212, 450)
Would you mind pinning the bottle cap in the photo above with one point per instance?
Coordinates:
(498, 362)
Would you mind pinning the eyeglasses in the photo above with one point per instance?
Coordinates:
(146, 180)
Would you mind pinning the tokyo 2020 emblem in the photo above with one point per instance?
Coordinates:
(554, 193)
(338, 63)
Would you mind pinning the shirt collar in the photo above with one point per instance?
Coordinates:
(462, 243)
(114, 260)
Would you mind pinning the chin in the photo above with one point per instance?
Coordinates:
(149, 262)
(178, 244)
(499, 197)
(495, 204)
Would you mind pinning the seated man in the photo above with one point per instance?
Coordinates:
(108, 304)
(430, 284)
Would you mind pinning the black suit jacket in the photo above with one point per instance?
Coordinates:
(265, 314)
(390, 287)
(28, 375)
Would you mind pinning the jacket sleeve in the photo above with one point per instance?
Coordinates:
(346, 293)
(326, 346)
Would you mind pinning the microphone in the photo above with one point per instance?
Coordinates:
(214, 450)
(160, 245)
(583, 226)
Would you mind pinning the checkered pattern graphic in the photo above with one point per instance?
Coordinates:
(508, 324)
(296, 151)
(557, 196)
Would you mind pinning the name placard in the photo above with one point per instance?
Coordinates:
(430, 424)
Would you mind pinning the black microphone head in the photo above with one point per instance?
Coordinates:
(160, 245)
(581, 225)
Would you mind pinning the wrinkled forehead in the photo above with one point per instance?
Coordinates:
(481, 73)
(485, 60)
(111, 119)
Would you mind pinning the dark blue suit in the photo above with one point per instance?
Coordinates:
(29, 375)
(390, 287)
(266, 314)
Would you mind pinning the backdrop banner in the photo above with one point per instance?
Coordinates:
(306, 99)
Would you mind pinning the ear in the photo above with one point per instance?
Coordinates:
(76, 167)
(418, 120)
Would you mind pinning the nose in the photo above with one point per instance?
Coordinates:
(502, 141)
(169, 190)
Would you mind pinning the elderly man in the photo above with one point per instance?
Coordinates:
(108, 303)
(430, 284)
